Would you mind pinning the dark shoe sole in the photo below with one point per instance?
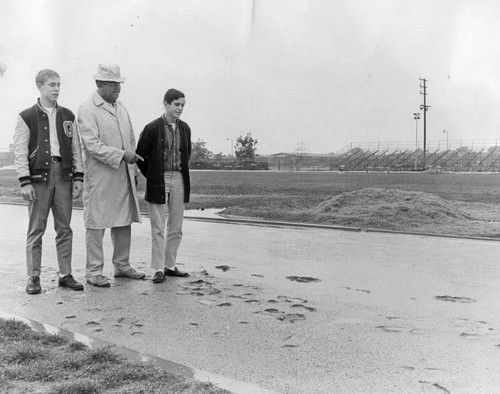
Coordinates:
(106, 285)
(32, 292)
(72, 288)
(96, 285)
(128, 277)
(185, 275)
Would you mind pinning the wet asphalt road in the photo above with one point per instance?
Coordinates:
(296, 310)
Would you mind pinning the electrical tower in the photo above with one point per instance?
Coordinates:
(424, 107)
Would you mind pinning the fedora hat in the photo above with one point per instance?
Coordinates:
(108, 73)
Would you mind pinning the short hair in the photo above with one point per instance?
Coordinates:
(44, 75)
(172, 94)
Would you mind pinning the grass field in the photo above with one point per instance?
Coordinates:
(275, 195)
(37, 362)
(319, 186)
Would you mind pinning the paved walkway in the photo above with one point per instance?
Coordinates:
(294, 310)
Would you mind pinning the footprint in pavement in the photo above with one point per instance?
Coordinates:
(469, 336)
(291, 299)
(390, 328)
(237, 296)
(294, 340)
(308, 308)
(224, 268)
(303, 279)
(292, 317)
(359, 290)
(448, 298)
(271, 310)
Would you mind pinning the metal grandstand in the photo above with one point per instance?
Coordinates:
(453, 155)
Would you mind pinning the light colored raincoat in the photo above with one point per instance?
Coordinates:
(109, 194)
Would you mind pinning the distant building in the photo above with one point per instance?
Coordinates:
(285, 161)
(6, 158)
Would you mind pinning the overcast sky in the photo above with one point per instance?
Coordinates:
(322, 73)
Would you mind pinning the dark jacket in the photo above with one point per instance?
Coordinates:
(150, 148)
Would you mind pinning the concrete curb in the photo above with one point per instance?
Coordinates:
(235, 386)
(262, 222)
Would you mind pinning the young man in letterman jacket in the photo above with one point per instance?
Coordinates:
(49, 165)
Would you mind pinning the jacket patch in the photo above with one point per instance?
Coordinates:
(68, 128)
(33, 153)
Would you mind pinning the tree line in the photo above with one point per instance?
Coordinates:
(245, 150)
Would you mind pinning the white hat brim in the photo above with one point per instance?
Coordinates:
(104, 79)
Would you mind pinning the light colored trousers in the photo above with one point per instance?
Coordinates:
(56, 196)
(164, 249)
(120, 238)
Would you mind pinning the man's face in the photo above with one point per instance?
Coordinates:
(49, 91)
(110, 91)
(175, 108)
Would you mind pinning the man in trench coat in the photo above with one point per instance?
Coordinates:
(109, 195)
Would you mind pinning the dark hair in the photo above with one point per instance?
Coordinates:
(44, 75)
(172, 94)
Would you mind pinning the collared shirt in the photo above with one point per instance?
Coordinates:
(112, 107)
(171, 148)
(54, 141)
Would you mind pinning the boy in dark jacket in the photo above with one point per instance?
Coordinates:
(165, 145)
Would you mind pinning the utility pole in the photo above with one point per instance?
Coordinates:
(425, 107)
(416, 116)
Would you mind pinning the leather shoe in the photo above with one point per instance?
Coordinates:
(130, 273)
(70, 282)
(175, 272)
(33, 285)
(98, 281)
(158, 277)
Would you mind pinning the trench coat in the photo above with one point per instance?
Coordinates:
(109, 193)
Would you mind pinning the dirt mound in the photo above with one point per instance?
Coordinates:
(384, 209)
(388, 209)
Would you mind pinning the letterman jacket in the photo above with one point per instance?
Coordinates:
(150, 147)
(32, 145)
